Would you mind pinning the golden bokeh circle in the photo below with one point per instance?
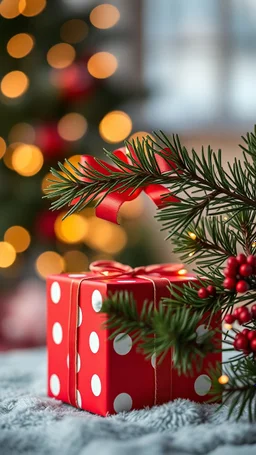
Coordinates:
(27, 160)
(49, 263)
(74, 31)
(71, 230)
(104, 16)
(61, 55)
(22, 132)
(76, 261)
(18, 237)
(102, 65)
(105, 236)
(9, 9)
(7, 255)
(72, 126)
(14, 84)
(2, 147)
(20, 45)
(115, 126)
(30, 8)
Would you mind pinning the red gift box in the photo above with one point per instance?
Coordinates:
(104, 376)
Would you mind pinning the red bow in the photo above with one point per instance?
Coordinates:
(112, 269)
(109, 207)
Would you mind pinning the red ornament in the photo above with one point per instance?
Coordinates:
(253, 310)
(45, 224)
(251, 334)
(203, 293)
(253, 344)
(241, 343)
(229, 283)
(242, 286)
(230, 272)
(244, 317)
(49, 140)
(211, 289)
(251, 260)
(229, 318)
(74, 82)
(232, 262)
(238, 311)
(245, 270)
(245, 332)
(241, 258)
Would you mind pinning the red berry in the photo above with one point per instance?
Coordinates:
(238, 311)
(203, 293)
(229, 318)
(245, 270)
(211, 289)
(229, 272)
(251, 260)
(245, 332)
(244, 317)
(229, 283)
(251, 335)
(242, 286)
(241, 259)
(253, 310)
(232, 262)
(253, 345)
(241, 343)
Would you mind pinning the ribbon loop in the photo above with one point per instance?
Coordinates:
(112, 269)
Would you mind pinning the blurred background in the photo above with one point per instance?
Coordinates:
(80, 75)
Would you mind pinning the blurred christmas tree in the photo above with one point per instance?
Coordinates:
(57, 101)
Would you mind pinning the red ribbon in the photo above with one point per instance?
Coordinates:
(109, 207)
(112, 269)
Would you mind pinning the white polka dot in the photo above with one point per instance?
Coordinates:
(96, 385)
(202, 384)
(78, 362)
(123, 402)
(77, 275)
(57, 333)
(153, 360)
(55, 385)
(201, 331)
(80, 317)
(122, 344)
(94, 342)
(55, 292)
(78, 399)
(126, 281)
(96, 300)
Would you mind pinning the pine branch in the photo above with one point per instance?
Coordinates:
(158, 331)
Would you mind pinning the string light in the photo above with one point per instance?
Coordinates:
(76, 261)
(74, 31)
(223, 379)
(192, 235)
(14, 84)
(115, 126)
(9, 9)
(102, 65)
(106, 237)
(72, 126)
(61, 55)
(27, 160)
(20, 45)
(18, 237)
(191, 254)
(104, 16)
(2, 147)
(182, 272)
(7, 255)
(30, 8)
(49, 263)
(71, 230)
(254, 244)
(228, 326)
(22, 132)
(225, 218)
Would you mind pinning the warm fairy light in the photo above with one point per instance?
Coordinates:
(76, 261)
(18, 237)
(22, 132)
(225, 218)
(182, 272)
(104, 16)
(106, 273)
(74, 31)
(2, 147)
(228, 326)
(49, 263)
(14, 84)
(7, 255)
(20, 45)
(132, 209)
(106, 237)
(7, 158)
(30, 8)
(191, 254)
(9, 9)
(115, 126)
(27, 160)
(223, 379)
(71, 230)
(102, 65)
(72, 126)
(254, 244)
(192, 235)
(61, 55)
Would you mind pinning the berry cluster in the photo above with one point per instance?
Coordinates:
(238, 270)
(246, 340)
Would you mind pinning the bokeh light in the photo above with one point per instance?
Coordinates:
(182, 272)
(7, 158)
(76, 261)
(61, 55)
(18, 237)
(27, 160)
(102, 65)
(14, 84)
(223, 379)
(20, 45)
(7, 255)
(71, 230)
(74, 31)
(104, 16)
(46, 183)
(9, 9)
(192, 235)
(22, 132)
(133, 209)
(30, 8)
(115, 126)
(72, 126)
(2, 147)
(49, 263)
(106, 237)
